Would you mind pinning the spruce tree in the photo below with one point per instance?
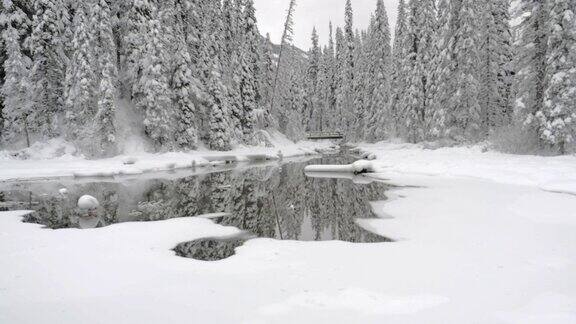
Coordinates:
(417, 69)
(397, 82)
(463, 118)
(557, 116)
(135, 41)
(249, 68)
(340, 79)
(105, 138)
(495, 65)
(48, 47)
(348, 84)
(80, 101)
(379, 59)
(184, 86)
(532, 47)
(312, 110)
(266, 69)
(16, 67)
(219, 138)
(151, 91)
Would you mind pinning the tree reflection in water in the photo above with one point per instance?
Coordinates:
(277, 202)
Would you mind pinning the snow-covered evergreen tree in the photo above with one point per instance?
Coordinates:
(397, 82)
(249, 64)
(463, 117)
(532, 49)
(184, 84)
(267, 68)
(348, 84)
(219, 137)
(340, 77)
(134, 41)
(47, 46)
(313, 110)
(379, 55)
(557, 116)
(330, 82)
(495, 65)
(80, 100)
(16, 67)
(104, 129)
(151, 92)
(416, 94)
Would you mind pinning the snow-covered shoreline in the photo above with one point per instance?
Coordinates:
(69, 166)
(554, 174)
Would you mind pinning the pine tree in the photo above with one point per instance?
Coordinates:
(495, 65)
(47, 46)
(360, 85)
(16, 67)
(557, 116)
(340, 79)
(219, 130)
(532, 47)
(417, 68)
(312, 109)
(348, 84)
(441, 71)
(151, 91)
(135, 41)
(379, 55)
(266, 69)
(249, 64)
(80, 99)
(397, 83)
(105, 139)
(184, 86)
(331, 82)
(462, 102)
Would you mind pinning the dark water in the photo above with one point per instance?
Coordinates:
(270, 201)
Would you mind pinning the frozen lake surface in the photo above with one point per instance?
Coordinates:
(267, 201)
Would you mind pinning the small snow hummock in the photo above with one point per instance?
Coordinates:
(88, 202)
(130, 160)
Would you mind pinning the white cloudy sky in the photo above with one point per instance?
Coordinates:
(310, 13)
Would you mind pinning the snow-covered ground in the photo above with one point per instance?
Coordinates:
(478, 241)
(57, 160)
(556, 174)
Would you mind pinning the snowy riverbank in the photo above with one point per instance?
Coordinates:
(42, 164)
(556, 174)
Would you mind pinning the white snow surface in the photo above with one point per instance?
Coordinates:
(468, 250)
(556, 174)
(56, 160)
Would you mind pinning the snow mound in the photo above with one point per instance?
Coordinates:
(52, 149)
(88, 202)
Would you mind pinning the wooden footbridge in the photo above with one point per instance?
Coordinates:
(324, 135)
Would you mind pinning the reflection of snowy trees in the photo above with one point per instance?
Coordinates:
(208, 249)
(274, 202)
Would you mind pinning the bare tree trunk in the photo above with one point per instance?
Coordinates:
(26, 132)
(286, 36)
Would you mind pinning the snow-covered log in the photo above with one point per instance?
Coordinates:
(357, 167)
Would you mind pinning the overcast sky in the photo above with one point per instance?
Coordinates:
(310, 13)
